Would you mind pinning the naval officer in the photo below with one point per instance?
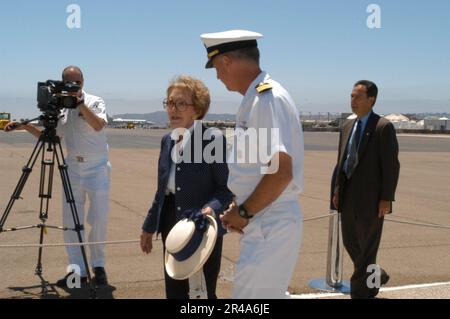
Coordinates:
(266, 210)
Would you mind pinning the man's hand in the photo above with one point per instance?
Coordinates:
(384, 207)
(91, 118)
(78, 95)
(336, 200)
(232, 221)
(147, 242)
(14, 126)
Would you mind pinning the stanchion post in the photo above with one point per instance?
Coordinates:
(335, 253)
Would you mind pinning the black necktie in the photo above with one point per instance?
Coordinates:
(352, 159)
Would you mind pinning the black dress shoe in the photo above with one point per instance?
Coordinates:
(384, 279)
(100, 277)
(62, 283)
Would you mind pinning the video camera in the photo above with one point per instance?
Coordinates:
(52, 96)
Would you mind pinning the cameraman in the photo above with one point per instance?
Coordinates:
(89, 173)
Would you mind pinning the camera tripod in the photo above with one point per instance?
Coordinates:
(48, 143)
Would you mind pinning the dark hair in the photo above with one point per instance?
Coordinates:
(371, 88)
(72, 67)
(251, 54)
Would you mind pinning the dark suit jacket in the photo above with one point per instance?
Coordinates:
(376, 176)
(200, 184)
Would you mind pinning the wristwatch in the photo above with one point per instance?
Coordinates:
(244, 213)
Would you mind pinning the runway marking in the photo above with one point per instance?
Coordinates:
(334, 294)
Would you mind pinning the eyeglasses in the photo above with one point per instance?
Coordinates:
(178, 105)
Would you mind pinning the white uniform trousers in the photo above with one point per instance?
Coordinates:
(91, 179)
(269, 250)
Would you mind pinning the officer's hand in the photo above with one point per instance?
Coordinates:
(146, 242)
(232, 206)
(14, 126)
(232, 221)
(231, 229)
(225, 221)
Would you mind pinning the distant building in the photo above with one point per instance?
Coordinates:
(219, 124)
(131, 123)
(345, 117)
(399, 121)
(437, 124)
(396, 118)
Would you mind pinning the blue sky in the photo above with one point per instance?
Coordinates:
(317, 49)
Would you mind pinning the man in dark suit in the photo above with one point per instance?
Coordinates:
(367, 176)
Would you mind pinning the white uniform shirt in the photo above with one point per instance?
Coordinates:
(273, 108)
(80, 138)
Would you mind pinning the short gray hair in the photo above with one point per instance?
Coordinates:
(251, 54)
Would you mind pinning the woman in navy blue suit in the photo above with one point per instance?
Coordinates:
(188, 185)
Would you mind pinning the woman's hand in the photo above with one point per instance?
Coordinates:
(146, 242)
(208, 211)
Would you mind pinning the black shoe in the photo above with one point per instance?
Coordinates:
(62, 283)
(100, 277)
(384, 277)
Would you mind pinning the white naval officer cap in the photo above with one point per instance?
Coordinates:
(221, 42)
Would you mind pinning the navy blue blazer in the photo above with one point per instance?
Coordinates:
(197, 184)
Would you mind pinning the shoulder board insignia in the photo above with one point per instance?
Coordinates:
(263, 87)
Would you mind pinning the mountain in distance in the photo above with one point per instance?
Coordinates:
(25, 107)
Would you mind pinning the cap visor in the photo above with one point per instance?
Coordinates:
(209, 64)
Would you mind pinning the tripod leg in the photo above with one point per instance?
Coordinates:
(38, 270)
(45, 194)
(71, 201)
(26, 171)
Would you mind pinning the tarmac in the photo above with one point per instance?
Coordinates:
(415, 248)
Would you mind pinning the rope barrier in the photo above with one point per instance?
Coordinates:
(319, 217)
(134, 241)
(117, 242)
(389, 220)
(418, 224)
